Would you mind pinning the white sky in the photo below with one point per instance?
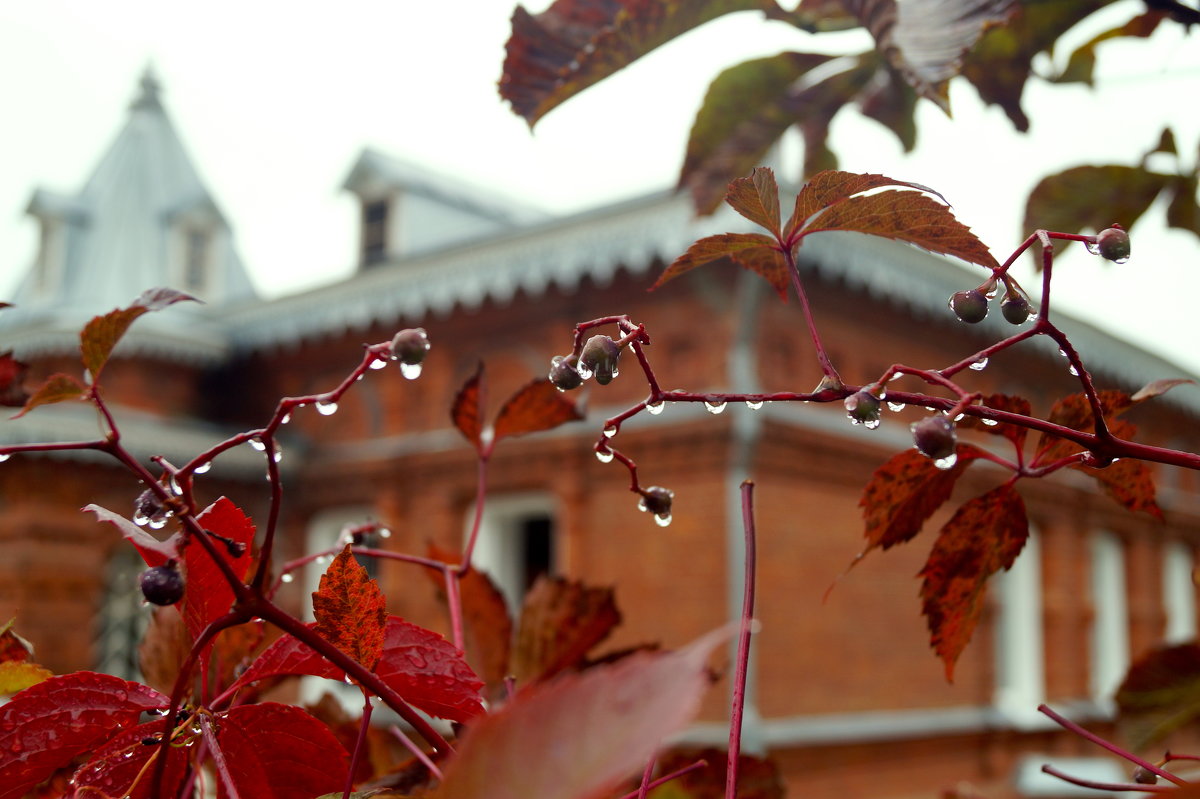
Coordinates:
(275, 103)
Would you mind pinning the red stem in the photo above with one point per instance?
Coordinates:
(743, 654)
(218, 758)
(359, 745)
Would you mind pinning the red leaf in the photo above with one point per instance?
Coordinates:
(119, 767)
(536, 407)
(600, 725)
(47, 726)
(905, 216)
(1129, 482)
(984, 536)
(487, 627)
(749, 250)
(467, 411)
(561, 621)
(153, 551)
(57, 388)
(1075, 412)
(12, 378)
(278, 751)
(904, 492)
(418, 664)
(350, 609)
(831, 187)
(757, 199)
(208, 595)
(1009, 404)
(12, 646)
(554, 55)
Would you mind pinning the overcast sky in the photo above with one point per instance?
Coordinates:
(275, 103)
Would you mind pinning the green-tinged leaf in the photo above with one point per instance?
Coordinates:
(925, 40)
(1128, 482)
(756, 198)
(904, 492)
(749, 250)
(1157, 388)
(1092, 198)
(12, 381)
(579, 735)
(350, 609)
(905, 216)
(561, 621)
(1082, 63)
(831, 187)
(552, 56)
(815, 107)
(536, 407)
(999, 64)
(101, 334)
(984, 536)
(1183, 212)
(746, 109)
(467, 410)
(892, 103)
(1160, 694)
(57, 388)
(1009, 404)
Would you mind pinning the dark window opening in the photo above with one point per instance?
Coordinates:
(537, 548)
(374, 231)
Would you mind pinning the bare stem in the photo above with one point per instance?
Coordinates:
(743, 654)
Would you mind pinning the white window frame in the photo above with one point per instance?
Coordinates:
(494, 552)
(1020, 648)
(1179, 592)
(1109, 656)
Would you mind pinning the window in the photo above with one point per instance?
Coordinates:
(50, 256)
(197, 257)
(1110, 620)
(1020, 673)
(374, 231)
(1179, 592)
(123, 616)
(516, 543)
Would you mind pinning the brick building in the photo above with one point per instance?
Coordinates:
(845, 694)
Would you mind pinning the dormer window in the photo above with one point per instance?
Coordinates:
(375, 215)
(50, 256)
(195, 240)
(197, 260)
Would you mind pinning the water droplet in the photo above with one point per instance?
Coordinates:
(754, 405)
(323, 559)
(377, 364)
(980, 365)
(882, 395)
(947, 462)
(202, 468)
(604, 456)
(585, 371)
(287, 578)
(277, 455)
(410, 370)
(287, 417)
(1122, 260)
(655, 408)
(1062, 352)
(360, 377)
(853, 419)
(348, 679)
(871, 424)
(895, 377)
(1093, 247)
(385, 532)
(173, 484)
(990, 422)
(417, 659)
(327, 408)
(895, 407)
(960, 417)
(140, 519)
(156, 523)
(610, 431)
(257, 444)
(714, 406)
(992, 292)
(4, 457)
(1074, 372)
(662, 519)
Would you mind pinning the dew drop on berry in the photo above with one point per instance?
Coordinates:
(203, 468)
(327, 408)
(257, 444)
(287, 578)
(662, 519)
(1093, 247)
(946, 462)
(980, 365)
(585, 373)
(714, 406)
(871, 424)
(156, 523)
(610, 431)
(1121, 260)
(377, 364)
(604, 456)
(655, 408)
(4, 457)
(410, 371)
(173, 484)
(895, 407)
(140, 519)
(754, 405)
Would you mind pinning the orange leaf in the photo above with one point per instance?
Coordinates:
(100, 335)
(536, 407)
(18, 675)
(905, 216)
(1074, 411)
(600, 725)
(57, 388)
(349, 608)
(1128, 482)
(467, 412)
(1009, 404)
(757, 198)
(749, 250)
(903, 493)
(831, 187)
(561, 621)
(487, 627)
(984, 536)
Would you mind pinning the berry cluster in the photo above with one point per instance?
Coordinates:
(598, 358)
(971, 306)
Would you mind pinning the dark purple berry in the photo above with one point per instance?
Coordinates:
(147, 509)
(1015, 308)
(162, 585)
(563, 373)
(657, 500)
(1144, 776)
(969, 306)
(410, 346)
(863, 408)
(1113, 244)
(599, 357)
(934, 437)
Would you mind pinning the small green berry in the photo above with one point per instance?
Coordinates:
(1113, 244)
(410, 346)
(1015, 309)
(969, 306)
(599, 357)
(934, 437)
(863, 408)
